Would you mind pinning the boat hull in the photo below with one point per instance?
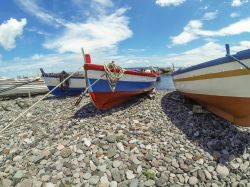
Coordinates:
(129, 86)
(222, 86)
(75, 87)
(34, 88)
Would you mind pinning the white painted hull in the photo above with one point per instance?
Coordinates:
(235, 86)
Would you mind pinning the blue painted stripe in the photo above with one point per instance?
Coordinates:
(66, 92)
(103, 86)
(240, 55)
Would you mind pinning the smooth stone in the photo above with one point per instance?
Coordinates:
(86, 176)
(60, 147)
(201, 175)
(134, 183)
(210, 168)
(120, 146)
(19, 174)
(161, 182)
(111, 138)
(181, 178)
(208, 175)
(116, 175)
(149, 157)
(25, 183)
(87, 141)
(222, 170)
(246, 156)
(37, 183)
(129, 174)
(45, 178)
(244, 166)
(94, 179)
(102, 168)
(149, 183)
(111, 152)
(104, 180)
(66, 152)
(116, 163)
(113, 184)
(6, 182)
(192, 180)
(49, 184)
(102, 185)
(235, 165)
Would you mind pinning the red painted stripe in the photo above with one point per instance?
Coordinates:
(99, 67)
(107, 100)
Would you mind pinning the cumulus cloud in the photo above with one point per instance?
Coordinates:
(95, 34)
(165, 3)
(237, 3)
(193, 30)
(206, 52)
(9, 31)
(102, 29)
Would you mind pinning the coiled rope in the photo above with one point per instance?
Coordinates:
(113, 74)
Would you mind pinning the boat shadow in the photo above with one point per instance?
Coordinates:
(89, 110)
(220, 138)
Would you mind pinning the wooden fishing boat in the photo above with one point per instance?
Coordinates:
(75, 85)
(110, 85)
(220, 85)
(11, 87)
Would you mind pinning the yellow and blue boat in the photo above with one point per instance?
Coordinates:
(221, 85)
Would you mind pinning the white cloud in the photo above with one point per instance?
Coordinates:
(32, 7)
(210, 15)
(194, 30)
(95, 34)
(234, 15)
(104, 3)
(206, 52)
(74, 61)
(165, 3)
(9, 31)
(237, 3)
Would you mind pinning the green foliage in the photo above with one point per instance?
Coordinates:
(68, 183)
(150, 174)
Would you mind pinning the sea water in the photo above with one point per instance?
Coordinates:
(166, 83)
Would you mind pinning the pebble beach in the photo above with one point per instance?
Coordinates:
(147, 142)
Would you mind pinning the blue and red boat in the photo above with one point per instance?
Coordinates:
(107, 93)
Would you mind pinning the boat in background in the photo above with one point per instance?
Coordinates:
(110, 85)
(11, 87)
(220, 85)
(75, 85)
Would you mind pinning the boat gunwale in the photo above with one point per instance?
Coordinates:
(242, 55)
(100, 67)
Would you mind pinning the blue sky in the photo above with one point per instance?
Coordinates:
(50, 34)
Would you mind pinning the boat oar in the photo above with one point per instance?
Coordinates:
(85, 91)
(234, 58)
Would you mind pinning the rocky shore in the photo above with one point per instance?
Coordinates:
(147, 142)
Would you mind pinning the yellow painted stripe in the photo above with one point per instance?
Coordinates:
(223, 74)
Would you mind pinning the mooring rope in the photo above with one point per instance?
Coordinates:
(85, 91)
(38, 101)
(113, 74)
